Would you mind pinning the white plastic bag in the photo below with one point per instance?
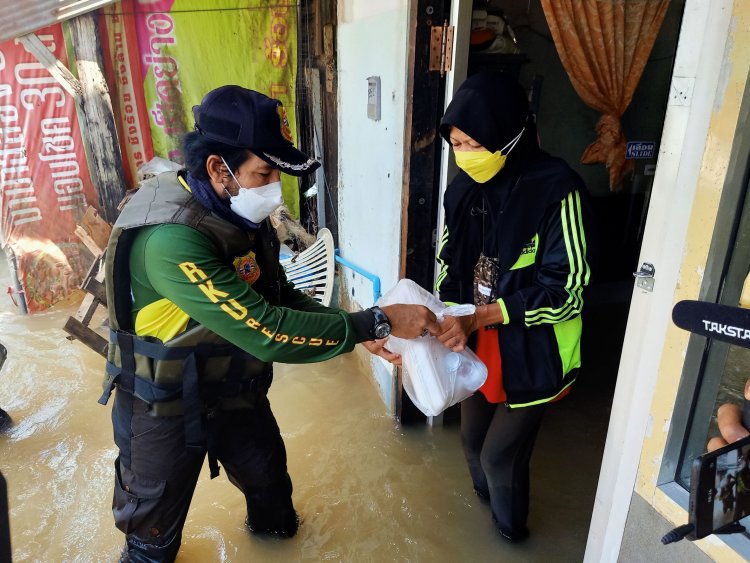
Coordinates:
(156, 166)
(434, 376)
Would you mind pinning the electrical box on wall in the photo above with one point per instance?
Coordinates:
(373, 98)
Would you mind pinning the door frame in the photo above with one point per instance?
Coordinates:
(460, 19)
(703, 35)
(421, 195)
(695, 85)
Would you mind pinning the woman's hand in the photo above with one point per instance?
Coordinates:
(456, 331)
(377, 347)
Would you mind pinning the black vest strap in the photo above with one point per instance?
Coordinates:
(195, 433)
(152, 392)
(125, 378)
(194, 393)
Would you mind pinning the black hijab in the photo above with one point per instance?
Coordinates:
(492, 108)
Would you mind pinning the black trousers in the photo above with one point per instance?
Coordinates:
(156, 473)
(497, 443)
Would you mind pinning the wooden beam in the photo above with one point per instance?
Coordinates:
(76, 329)
(329, 57)
(329, 101)
(78, 326)
(59, 71)
(93, 231)
(97, 117)
(315, 97)
(96, 288)
(86, 239)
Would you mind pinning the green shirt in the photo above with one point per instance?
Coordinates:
(178, 265)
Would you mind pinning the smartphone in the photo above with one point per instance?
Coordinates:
(720, 488)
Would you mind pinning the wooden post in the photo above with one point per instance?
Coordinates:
(325, 62)
(312, 79)
(94, 108)
(59, 71)
(97, 117)
(317, 104)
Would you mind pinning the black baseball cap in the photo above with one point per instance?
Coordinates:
(244, 118)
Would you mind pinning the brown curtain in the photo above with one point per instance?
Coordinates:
(604, 46)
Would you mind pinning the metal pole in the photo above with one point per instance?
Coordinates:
(5, 552)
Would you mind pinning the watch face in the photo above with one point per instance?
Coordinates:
(382, 330)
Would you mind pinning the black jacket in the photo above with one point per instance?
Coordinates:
(533, 217)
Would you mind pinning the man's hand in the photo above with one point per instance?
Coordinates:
(378, 348)
(729, 419)
(410, 321)
(456, 330)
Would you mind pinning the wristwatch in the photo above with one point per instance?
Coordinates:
(381, 328)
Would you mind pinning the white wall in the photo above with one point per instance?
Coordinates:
(371, 41)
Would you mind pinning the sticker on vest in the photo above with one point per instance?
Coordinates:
(247, 268)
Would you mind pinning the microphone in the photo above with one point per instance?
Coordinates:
(721, 322)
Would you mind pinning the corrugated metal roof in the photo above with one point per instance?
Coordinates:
(19, 17)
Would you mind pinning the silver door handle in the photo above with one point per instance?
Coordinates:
(645, 276)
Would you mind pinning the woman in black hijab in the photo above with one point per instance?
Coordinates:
(514, 244)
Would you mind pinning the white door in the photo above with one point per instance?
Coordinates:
(460, 19)
(695, 87)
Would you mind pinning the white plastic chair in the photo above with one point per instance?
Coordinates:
(312, 270)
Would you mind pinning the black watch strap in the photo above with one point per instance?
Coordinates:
(381, 326)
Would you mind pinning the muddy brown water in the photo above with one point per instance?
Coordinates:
(367, 489)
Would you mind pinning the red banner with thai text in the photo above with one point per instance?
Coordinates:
(121, 57)
(44, 180)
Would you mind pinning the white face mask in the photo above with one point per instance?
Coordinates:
(255, 204)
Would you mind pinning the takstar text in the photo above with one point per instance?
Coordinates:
(727, 330)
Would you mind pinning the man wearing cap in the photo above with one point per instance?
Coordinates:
(199, 309)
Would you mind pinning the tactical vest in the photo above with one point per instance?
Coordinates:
(197, 369)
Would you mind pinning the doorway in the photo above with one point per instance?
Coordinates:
(573, 436)
(566, 125)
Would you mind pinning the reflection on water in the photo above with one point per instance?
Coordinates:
(367, 489)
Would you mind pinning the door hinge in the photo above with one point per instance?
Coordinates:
(645, 276)
(441, 47)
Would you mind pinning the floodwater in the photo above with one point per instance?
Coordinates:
(367, 488)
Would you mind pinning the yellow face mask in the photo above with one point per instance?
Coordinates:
(482, 166)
